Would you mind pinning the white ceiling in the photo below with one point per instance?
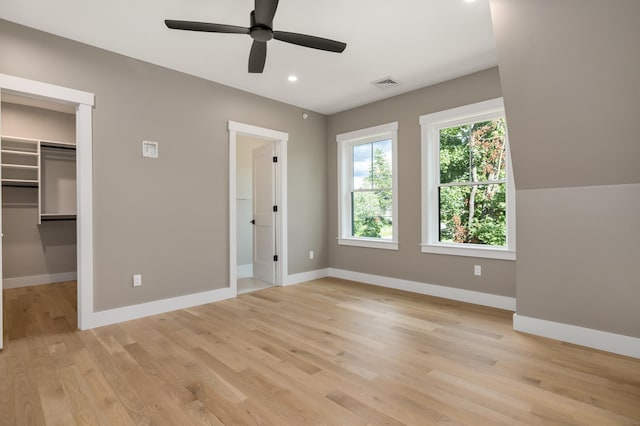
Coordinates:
(417, 42)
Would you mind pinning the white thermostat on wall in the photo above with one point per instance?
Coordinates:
(150, 149)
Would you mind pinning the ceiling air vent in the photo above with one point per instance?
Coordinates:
(385, 83)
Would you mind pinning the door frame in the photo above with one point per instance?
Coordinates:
(279, 140)
(83, 102)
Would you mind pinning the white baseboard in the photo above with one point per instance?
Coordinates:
(306, 276)
(28, 281)
(113, 316)
(469, 296)
(245, 271)
(596, 339)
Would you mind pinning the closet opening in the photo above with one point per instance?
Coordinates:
(39, 195)
(255, 197)
(257, 207)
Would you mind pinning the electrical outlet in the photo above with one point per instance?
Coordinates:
(137, 280)
(477, 270)
(311, 255)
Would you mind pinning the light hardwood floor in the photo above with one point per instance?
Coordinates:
(326, 352)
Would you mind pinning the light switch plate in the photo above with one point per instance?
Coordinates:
(150, 149)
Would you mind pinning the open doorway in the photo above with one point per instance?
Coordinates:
(82, 103)
(39, 244)
(255, 198)
(257, 188)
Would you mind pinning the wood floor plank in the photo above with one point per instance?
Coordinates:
(7, 391)
(328, 352)
(27, 405)
(83, 407)
(105, 397)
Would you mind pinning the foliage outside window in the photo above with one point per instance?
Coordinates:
(367, 202)
(467, 193)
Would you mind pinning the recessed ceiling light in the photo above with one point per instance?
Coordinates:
(469, 1)
(292, 78)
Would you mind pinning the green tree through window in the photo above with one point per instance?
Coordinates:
(472, 189)
(372, 196)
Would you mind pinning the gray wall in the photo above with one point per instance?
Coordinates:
(498, 277)
(569, 72)
(167, 218)
(29, 249)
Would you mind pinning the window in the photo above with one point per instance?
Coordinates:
(367, 185)
(468, 197)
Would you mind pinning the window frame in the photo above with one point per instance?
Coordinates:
(345, 143)
(430, 168)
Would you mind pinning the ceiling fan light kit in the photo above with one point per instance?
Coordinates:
(261, 31)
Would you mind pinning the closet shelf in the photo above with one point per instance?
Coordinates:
(18, 139)
(20, 182)
(13, 152)
(19, 166)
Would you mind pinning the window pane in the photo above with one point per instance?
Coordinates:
(372, 165)
(380, 173)
(454, 154)
(473, 153)
(473, 214)
(362, 160)
(372, 214)
(488, 150)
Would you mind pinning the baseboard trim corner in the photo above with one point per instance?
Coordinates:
(461, 295)
(307, 276)
(591, 338)
(127, 313)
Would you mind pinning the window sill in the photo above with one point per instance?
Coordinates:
(370, 243)
(469, 251)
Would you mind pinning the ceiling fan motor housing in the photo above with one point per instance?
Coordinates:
(260, 32)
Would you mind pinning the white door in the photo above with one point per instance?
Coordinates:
(264, 242)
(2, 236)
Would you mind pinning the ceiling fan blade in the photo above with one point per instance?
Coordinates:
(258, 56)
(205, 27)
(265, 11)
(310, 41)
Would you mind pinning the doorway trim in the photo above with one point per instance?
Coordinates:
(83, 102)
(279, 139)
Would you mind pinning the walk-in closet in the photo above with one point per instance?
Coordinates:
(38, 157)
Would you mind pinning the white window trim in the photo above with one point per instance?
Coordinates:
(430, 126)
(345, 141)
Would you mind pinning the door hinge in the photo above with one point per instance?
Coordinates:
(275, 159)
(275, 257)
(275, 209)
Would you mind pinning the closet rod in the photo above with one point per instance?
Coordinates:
(70, 148)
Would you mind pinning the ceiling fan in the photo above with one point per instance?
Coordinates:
(261, 31)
